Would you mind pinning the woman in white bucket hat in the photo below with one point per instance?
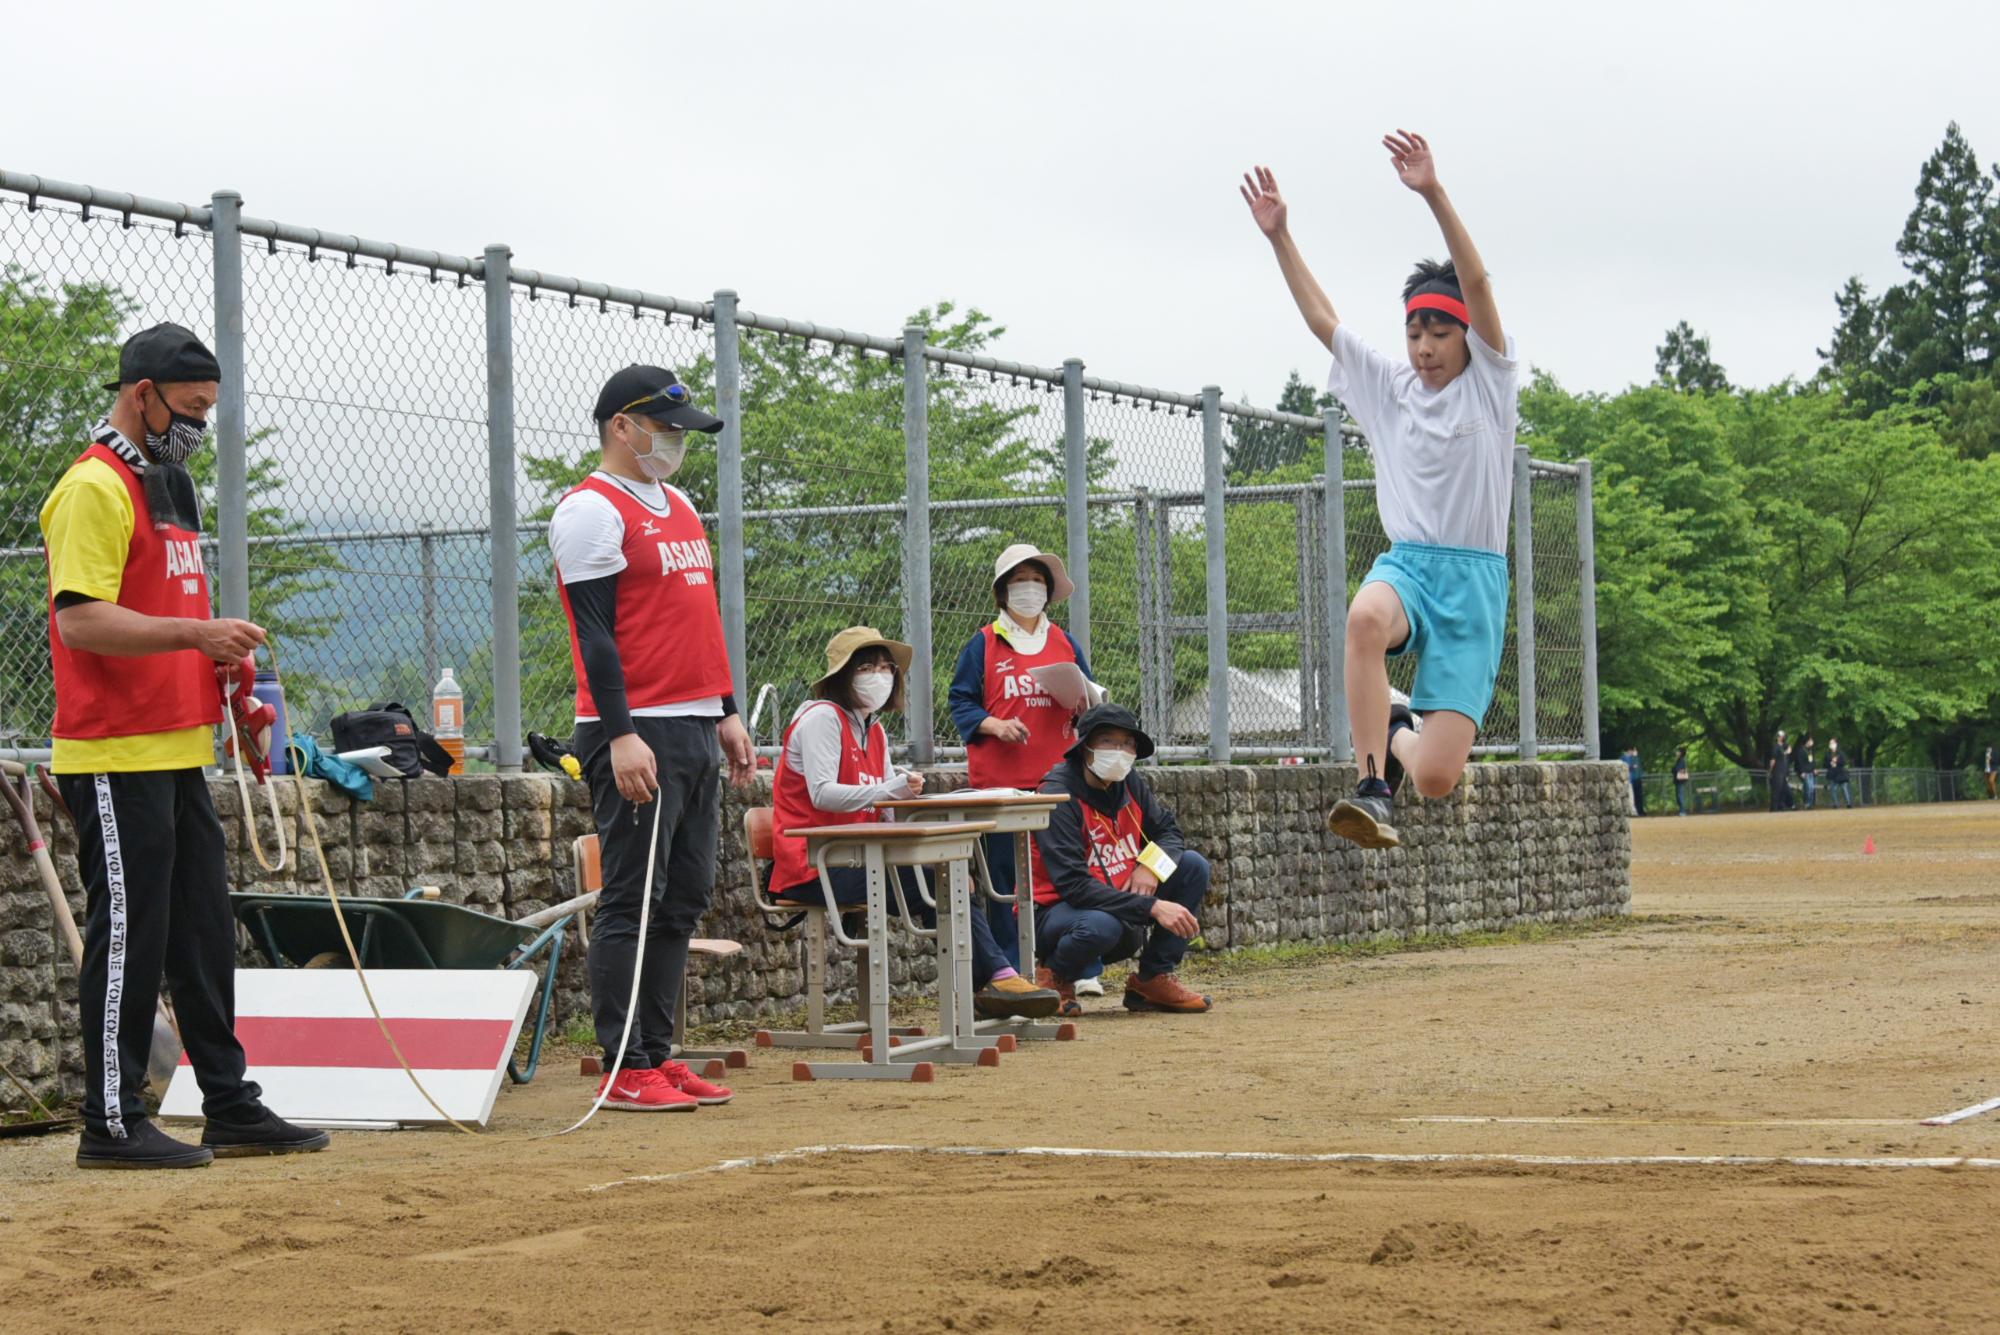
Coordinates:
(1015, 732)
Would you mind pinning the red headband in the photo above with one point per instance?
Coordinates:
(1437, 301)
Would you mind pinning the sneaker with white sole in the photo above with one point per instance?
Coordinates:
(645, 1090)
(1090, 987)
(682, 1077)
(1363, 819)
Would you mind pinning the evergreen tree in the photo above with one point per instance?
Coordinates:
(1683, 363)
(1262, 447)
(1935, 324)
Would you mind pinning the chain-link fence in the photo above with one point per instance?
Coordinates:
(402, 410)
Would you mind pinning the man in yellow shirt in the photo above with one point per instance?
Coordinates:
(134, 650)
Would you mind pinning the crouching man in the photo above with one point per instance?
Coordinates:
(1112, 876)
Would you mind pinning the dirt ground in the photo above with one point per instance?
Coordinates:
(1783, 995)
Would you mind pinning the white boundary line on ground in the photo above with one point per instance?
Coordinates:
(1266, 1156)
(1657, 1121)
(1946, 1119)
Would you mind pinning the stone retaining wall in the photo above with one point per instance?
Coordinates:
(1514, 844)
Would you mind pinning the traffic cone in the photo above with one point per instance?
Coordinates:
(1868, 847)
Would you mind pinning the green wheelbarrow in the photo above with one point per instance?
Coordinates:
(415, 932)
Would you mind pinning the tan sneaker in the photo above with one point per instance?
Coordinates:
(1014, 997)
(1164, 993)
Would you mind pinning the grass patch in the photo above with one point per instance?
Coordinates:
(1250, 960)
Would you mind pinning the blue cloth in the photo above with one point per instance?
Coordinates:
(968, 681)
(1456, 600)
(1070, 940)
(317, 764)
(1000, 918)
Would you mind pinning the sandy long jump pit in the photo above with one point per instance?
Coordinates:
(1723, 1086)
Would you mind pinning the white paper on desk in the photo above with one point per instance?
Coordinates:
(1068, 686)
(979, 794)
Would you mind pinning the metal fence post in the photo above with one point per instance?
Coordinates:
(1524, 601)
(1334, 501)
(232, 465)
(1218, 576)
(729, 489)
(1076, 492)
(917, 543)
(500, 504)
(1586, 556)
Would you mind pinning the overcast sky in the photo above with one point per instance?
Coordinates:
(1068, 167)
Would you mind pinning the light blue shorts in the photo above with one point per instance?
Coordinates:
(1456, 600)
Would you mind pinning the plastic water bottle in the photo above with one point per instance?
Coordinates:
(448, 719)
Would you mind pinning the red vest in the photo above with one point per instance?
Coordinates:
(1114, 854)
(669, 623)
(791, 800)
(98, 695)
(1011, 693)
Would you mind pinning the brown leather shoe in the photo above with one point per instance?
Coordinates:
(1008, 998)
(1067, 1005)
(1163, 993)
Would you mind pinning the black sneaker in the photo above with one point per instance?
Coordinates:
(142, 1146)
(269, 1134)
(1363, 819)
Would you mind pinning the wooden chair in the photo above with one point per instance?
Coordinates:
(586, 859)
(759, 835)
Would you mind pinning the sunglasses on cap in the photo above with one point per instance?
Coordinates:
(676, 396)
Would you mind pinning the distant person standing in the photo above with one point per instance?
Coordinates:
(1681, 777)
(1838, 792)
(1808, 774)
(1992, 773)
(1779, 768)
(1636, 772)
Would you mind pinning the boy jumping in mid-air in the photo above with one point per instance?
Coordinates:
(1442, 432)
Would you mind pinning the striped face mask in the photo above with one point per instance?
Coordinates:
(177, 444)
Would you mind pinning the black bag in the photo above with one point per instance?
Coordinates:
(411, 749)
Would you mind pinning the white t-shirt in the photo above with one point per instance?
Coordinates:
(587, 538)
(1444, 459)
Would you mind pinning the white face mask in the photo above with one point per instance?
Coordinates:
(1111, 766)
(663, 460)
(873, 689)
(1027, 599)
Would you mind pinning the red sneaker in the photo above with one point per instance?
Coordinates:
(682, 1077)
(645, 1091)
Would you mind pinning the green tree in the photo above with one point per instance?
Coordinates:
(1682, 362)
(57, 348)
(1256, 448)
(1935, 329)
(823, 435)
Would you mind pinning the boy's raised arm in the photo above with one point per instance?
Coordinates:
(1412, 158)
(1267, 206)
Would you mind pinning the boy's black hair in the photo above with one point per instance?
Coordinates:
(1434, 276)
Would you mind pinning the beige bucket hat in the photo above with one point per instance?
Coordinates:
(852, 641)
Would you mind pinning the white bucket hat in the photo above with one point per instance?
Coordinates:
(1023, 552)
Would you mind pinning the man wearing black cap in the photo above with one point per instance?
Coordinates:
(653, 700)
(1113, 877)
(137, 701)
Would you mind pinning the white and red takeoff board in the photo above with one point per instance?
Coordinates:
(314, 1046)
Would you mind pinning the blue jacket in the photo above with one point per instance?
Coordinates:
(968, 682)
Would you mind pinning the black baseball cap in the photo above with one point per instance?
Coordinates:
(1109, 716)
(166, 354)
(652, 391)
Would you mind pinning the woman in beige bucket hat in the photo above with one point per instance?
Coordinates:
(835, 767)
